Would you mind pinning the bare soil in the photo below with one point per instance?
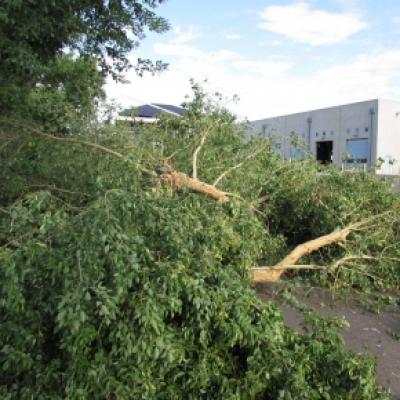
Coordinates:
(377, 333)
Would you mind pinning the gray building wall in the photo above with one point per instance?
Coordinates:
(376, 121)
(388, 140)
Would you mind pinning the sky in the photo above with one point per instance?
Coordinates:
(278, 57)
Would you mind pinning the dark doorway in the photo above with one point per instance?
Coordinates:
(325, 152)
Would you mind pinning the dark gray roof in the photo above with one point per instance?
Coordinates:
(149, 111)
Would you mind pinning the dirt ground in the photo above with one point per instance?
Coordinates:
(377, 333)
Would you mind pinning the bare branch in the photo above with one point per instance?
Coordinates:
(15, 241)
(274, 273)
(52, 187)
(76, 141)
(261, 200)
(360, 272)
(228, 171)
(346, 259)
(171, 156)
(293, 267)
(85, 143)
(197, 150)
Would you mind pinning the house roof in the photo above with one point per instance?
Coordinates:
(154, 110)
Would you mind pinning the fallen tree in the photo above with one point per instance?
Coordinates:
(179, 181)
(129, 275)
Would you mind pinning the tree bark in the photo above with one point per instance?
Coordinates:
(274, 273)
(179, 181)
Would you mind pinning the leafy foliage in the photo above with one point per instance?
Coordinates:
(115, 286)
(34, 34)
(141, 296)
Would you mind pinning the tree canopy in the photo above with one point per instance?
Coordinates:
(35, 35)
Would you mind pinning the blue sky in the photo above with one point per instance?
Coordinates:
(277, 56)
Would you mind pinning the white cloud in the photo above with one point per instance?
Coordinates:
(263, 68)
(233, 36)
(369, 75)
(185, 36)
(265, 88)
(222, 55)
(396, 22)
(350, 5)
(178, 50)
(269, 43)
(302, 24)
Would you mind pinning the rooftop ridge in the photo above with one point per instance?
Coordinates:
(325, 108)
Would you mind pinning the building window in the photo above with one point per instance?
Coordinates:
(366, 130)
(297, 154)
(348, 130)
(332, 133)
(316, 134)
(357, 151)
(357, 130)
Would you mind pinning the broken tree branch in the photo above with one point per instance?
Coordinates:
(228, 171)
(76, 141)
(179, 181)
(292, 267)
(92, 145)
(273, 274)
(197, 150)
(339, 264)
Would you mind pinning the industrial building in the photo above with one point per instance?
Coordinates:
(358, 135)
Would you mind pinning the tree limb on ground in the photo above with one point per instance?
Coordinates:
(274, 273)
(179, 181)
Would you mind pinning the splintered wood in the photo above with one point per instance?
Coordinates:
(274, 273)
(179, 181)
